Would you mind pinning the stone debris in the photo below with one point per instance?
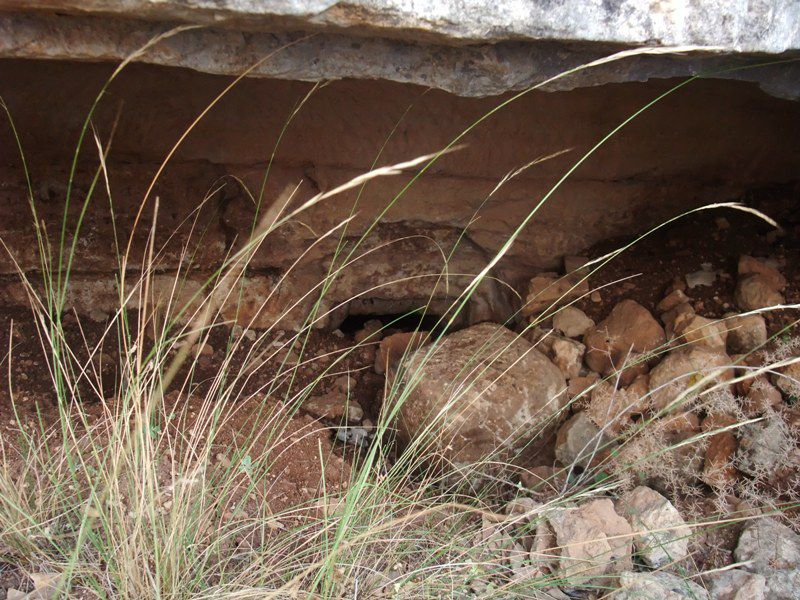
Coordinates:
(660, 534)
(789, 379)
(611, 409)
(754, 292)
(759, 284)
(673, 299)
(357, 436)
(751, 266)
(548, 290)
(700, 331)
(572, 322)
(718, 469)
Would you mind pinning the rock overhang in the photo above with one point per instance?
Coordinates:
(469, 48)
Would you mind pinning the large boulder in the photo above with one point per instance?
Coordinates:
(480, 391)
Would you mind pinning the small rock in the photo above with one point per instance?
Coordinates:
(701, 331)
(547, 290)
(357, 436)
(572, 322)
(671, 300)
(660, 533)
(737, 584)
(718, 469)
(675, 316)
(334, 405)
(722, 223)
(629, 329)
(761, 397)
(751, 266)
(591, 541)
(789, 379)
(763, 447)
(567, 355)
(746, 333)
(704, 277)
(657, 586)
(683, 369)
(754, 292)
(611, 409)
(579, 441)
(771, 549)
(578, 386)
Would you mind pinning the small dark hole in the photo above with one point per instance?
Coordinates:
(392, 323)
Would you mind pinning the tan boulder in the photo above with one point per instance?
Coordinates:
(756, 291)
(567, 355)
(746, 333)
(572, 322)
(682, 369)
(702, 331)
(630, 330)
(752, 266)
(548, 290)
(591, 542)
(660, 533)
(611, 409)
(482, 390)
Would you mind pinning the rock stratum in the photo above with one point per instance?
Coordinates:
(469, 48)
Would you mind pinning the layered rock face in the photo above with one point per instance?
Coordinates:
(434, 230)
(426, 230)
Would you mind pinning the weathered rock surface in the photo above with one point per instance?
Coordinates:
(482, 390)
(659, 585)
(746, 333)
(682, 369)
(580, 441)
(572, 322)
(771, 549)
(661, 536)
(591, 541)
(737, 584)
(471, 48)
(618, 340)
(763, 447)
